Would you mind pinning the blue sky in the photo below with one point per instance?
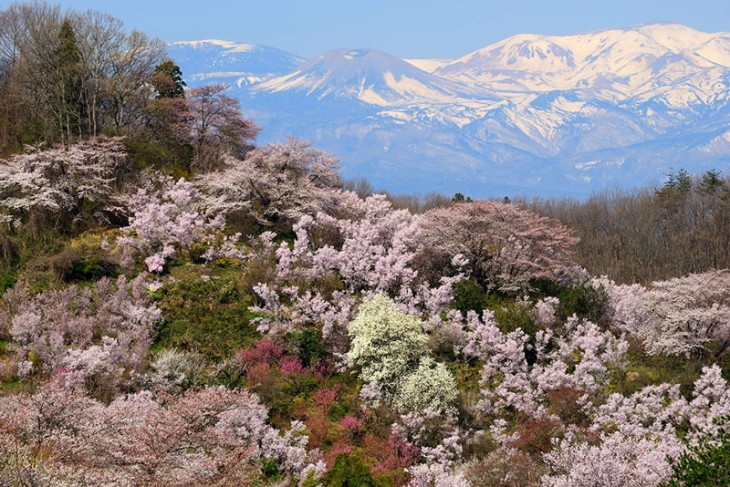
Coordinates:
(406, 28)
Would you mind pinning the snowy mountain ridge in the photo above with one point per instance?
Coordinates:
(532, 114)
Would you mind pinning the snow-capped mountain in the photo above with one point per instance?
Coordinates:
(528, 115)
(216, 61)
(367, 75)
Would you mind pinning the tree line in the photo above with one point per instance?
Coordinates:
(66, 76)
(650, 234)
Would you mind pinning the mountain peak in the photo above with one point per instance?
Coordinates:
(368, 75)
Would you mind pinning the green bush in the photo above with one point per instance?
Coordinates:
(349, 471)
(583, 300)
(210, 317)
(308, 345)
(511, 315)
(469, 296)
(706, 464)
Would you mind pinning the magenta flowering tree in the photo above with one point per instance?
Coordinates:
(505, 245)
(166, 221)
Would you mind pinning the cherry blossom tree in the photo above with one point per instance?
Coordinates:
(365, 248)
(277, 183)
(218, 127)
(505, 245)
(688, 315)
(214, 436)
(99, 334)
(56, 183)
(166, 221)
(579, 356)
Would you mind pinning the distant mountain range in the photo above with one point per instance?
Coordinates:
(530, 115)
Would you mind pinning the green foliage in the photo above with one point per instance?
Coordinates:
(676, 184)
(649, 370)
(511, 315)
(308, 346)
(583, 300)
(173, 159)
(710, 183)
(707, 464)
(460, 198)
(168, 80)
(69, 101)
(469, 296)
(349, 471)
(210, 317)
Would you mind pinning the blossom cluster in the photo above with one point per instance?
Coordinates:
(368, 248)
(102, 332)
(164, 222)
(210, 435)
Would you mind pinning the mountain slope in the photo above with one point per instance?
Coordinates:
(367, 75)
(228, 62)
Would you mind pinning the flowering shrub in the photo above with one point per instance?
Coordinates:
(431, 385)
(389, 348)
(386, 342)
(176, 369)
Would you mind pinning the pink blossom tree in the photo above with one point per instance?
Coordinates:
(212, 436)
(166, 221)
(100, 335)
(365, 248)
(276, 184)
(505, 245)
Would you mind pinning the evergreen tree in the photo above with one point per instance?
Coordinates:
(69, 99)
(168, 80)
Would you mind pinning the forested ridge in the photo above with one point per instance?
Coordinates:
(183, 306)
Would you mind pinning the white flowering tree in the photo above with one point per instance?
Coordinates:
(682, 316)
(389, 348)
(61, 182)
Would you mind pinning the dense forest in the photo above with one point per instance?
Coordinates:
(182, 306)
